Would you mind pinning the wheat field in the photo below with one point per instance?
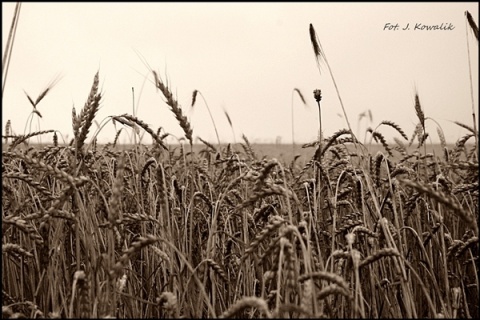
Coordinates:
(219, 231)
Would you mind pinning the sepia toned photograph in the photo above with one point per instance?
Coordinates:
(240, 160)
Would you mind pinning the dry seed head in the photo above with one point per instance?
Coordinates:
(468, 243)
(88, 113)
(416, 132)
(218, 270)
(8, 128)
(135, 246)
(441, 136)
(13, 247)
(362, 229)
(332, 289)
(419, 111)
(228, 118)
(377, 136)
(313, 39)
(473, 25)
(124, 122)
(275, 223)
(396, 127)
(317, 94)
(194, 97)
(23, 138)
(174, 106)
(246, 302)
(134, 121)
(385, 252)
(161, 254)
(75, 122)
(317, 48)
(44, 92)
(400, 145)
(325, 275)
(300, 95)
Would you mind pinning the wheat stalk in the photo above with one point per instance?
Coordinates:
(194, 98)
(9, 45)
(20, 139)
(319, 56)
(473, 25)
(445, 199)
(174, 107)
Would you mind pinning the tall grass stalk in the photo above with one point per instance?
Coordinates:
(302, 98)
(474, 29)
(7, 55)
(320, 56)
(231, 126)
(194, 95)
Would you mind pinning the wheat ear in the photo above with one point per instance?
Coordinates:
(174, 107)
(247, 302)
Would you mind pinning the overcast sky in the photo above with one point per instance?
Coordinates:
(245, 58)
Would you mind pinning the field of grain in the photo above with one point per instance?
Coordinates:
(346, 230)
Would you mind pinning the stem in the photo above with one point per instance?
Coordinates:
(293, 131)
(340, 99)
(211, 117)
(133, 110)
(8, 51)
(319, 182)
(320, 136)
(471, 91)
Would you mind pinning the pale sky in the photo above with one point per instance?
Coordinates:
(246, 58)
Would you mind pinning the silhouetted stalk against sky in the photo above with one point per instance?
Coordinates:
(304, 103)
(319, 55)
(8, 49)
(194, 96)
(474, 29)
(231, 125)
(317, 94)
